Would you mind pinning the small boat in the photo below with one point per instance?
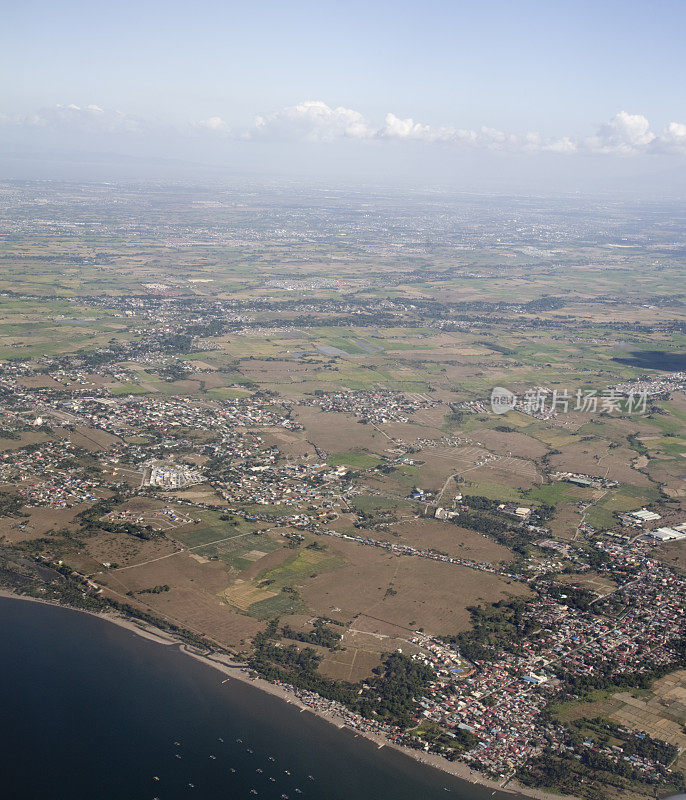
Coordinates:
(286, 772)
(253, 791)
(284, 797)
(273, 780)
(178, 756)
(271, 758)
(177, 744)
(310, 777)
(155, 778)
(259, 770)
(240, 741)
(221, 740)
(214, 758)
(191, 786)
(249, 750)
(298, 791)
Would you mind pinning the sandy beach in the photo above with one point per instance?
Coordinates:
(239, 672)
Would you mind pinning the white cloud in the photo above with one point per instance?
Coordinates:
(215, 124)
(565, 146)
(408, 129)
(485, 138)
(672, 139)
(89, 118)
(312, 121)
(624, 134)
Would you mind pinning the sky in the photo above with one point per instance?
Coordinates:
(553, 93)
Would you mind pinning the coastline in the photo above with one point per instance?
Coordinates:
(239, 672)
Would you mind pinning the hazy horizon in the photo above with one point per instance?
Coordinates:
(479, 98)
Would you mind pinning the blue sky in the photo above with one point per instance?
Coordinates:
(166, 72)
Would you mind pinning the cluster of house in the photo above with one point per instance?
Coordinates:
(372, 406)
(501, 701)
(159, 518)
(276, 483)
(65, 489)
(167, 475)
(676, 381)
(48, 474)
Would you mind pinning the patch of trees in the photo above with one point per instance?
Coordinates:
(155, 589)
(498, 348)
(455, 415)
(320, 634)
(498, 626)
(173, 372)
(606, 674)
(11, 504)
(390, 694)
(572, 596)
(516, 540)
(176, 343)
(642, 745)
(481, 503)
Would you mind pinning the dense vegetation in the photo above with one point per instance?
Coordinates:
(390, 695)
(321, 635)
(497, 626)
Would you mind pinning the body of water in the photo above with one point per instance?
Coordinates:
(91, 710)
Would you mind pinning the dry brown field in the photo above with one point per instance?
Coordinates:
(451, 539)
(335, 433)
(194, 600)
(518, 444)
(595, 458)
(362, 584)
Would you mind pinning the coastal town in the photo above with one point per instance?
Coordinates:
(489, 700)
(310, 485)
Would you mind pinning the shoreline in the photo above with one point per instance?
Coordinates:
(239, 672)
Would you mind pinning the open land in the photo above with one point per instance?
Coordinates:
(264, 425)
